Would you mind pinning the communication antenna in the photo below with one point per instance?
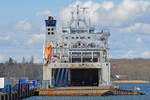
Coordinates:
(78, 16)
(72, 15)
(84, 9)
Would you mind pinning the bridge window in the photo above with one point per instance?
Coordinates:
(91, 31)
(64, 31)
(89, 37)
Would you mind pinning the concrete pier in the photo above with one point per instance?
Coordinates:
(85, 91)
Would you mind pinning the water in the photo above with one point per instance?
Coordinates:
(145, 97)
(143, 87)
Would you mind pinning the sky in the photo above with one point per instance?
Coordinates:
(22, 26)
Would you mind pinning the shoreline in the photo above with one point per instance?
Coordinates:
(130, 81)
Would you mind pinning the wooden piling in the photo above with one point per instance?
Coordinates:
(10, 92)
(19, 91)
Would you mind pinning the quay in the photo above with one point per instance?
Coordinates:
(22, 91)
(85, 91)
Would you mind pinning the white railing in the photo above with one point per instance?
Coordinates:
(77, 65)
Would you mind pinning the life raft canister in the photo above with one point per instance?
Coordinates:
(48, 52)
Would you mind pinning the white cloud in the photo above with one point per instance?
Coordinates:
(107, 5)
(138, 40)
(137, 28)
(129, 54)
(92, 11)
(22, 25)
(145, 54)
(132, 54)
(108, 13)
(36, 38)
(93, 8)
(43, 28)
(128, 11)
(43, 13)
(4, 38)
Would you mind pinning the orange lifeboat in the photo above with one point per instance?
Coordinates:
(48, 52)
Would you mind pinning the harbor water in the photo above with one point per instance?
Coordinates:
(143, 87)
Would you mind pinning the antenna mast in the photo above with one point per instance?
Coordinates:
(78, 24)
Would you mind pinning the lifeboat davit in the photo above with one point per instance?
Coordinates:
(48, 52)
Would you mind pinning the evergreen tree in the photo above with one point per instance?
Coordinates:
(23, 60)
(10, 61)
(31, 60)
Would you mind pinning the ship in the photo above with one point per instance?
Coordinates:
(78, 56)
(76, 60)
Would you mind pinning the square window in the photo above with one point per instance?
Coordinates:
(65, 44)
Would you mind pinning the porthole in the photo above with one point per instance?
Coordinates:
(48, 29)
(79, 44)
(52, 33)
(52, 29)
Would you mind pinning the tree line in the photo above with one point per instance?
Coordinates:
(12, 68)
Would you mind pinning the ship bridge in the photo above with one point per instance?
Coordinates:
(78, 56)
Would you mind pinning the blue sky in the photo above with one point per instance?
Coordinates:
(22, 25)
